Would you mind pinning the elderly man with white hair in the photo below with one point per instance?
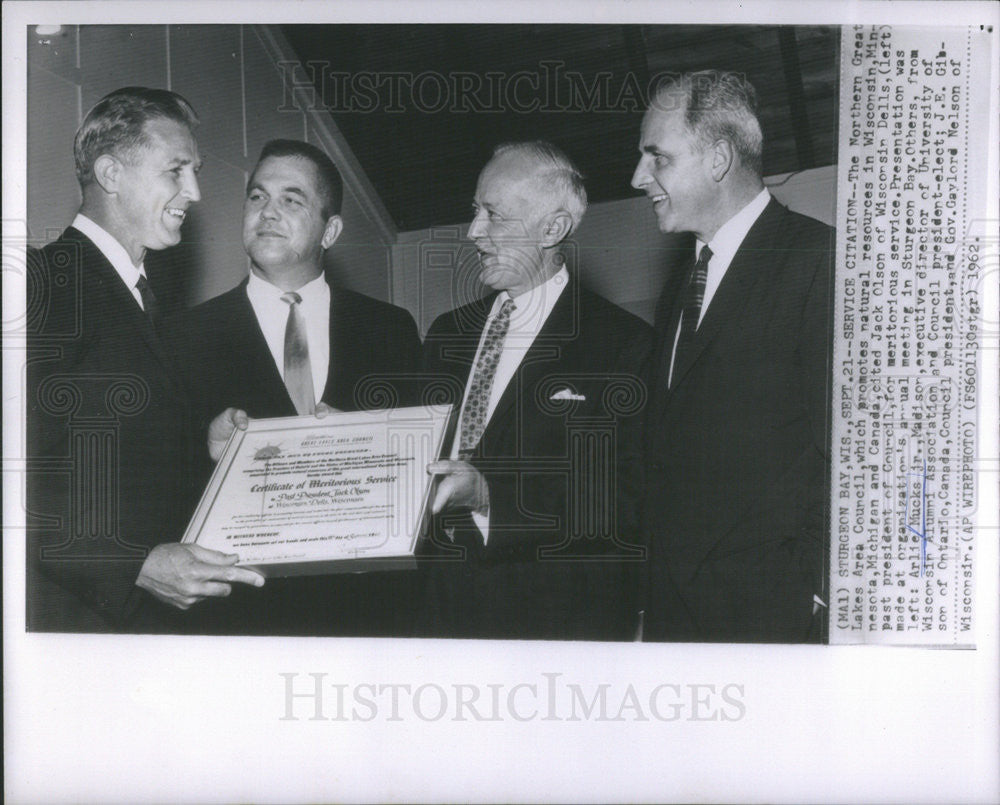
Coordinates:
(532, 538)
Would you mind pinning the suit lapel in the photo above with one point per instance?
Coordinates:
(337, 361)
(262, 368)
(121, 302)
(746, 269)
(345, 364)
(461, 345)
(673, 317)
(667, 316)
(557, 328)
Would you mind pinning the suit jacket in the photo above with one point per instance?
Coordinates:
(109, 444)
(737, 448)
(225, 360)
(560, 558)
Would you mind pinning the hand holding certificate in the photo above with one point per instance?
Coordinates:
(301, 495)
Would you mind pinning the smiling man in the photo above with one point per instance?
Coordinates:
(281, 343)
(533, 538)
(109, 433)
(736, 434)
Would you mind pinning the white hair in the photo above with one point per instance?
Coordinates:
(556, 176)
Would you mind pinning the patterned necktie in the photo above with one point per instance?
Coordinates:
(691, 309)
(477, 403)
(298, 371)
(149, 303)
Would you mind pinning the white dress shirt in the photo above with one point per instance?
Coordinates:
(724, 245)
(272, 316)
(115, 252)
(531, 310)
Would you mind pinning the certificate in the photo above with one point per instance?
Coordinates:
(301, 495)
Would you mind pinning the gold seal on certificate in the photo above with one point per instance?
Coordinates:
(302, 495)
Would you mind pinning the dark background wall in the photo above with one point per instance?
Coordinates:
(239, 79)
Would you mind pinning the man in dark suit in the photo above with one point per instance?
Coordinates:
(534, 541)
(736, 434)
(235, 355)
(108, 426)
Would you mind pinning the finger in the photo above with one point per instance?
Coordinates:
(243, 575)
(322, 409)
(444, 491)
(445, 467)
(214, 589)
(212, 557)
(239, 418)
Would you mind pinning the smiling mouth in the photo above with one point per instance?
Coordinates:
(657, 199)
(177, 212)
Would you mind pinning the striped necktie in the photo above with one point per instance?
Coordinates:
(694, 294)
(149, 303)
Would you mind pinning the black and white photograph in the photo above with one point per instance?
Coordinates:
(434, 403)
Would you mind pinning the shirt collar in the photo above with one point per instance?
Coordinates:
(533, 307)
(727, 240)
(315, 290)
(111, 249)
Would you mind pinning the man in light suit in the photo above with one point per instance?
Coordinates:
(109, 434)
(736, 434)
(534, 541)
(234, 354)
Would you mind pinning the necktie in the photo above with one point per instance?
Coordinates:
(694, 293)
(149, 303)
(298, 371)
(477, 403)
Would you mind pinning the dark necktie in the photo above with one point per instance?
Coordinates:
(149, 303)
(477, 403)
(693, 296)
(298, 371)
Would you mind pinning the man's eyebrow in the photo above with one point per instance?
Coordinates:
(180, 162)
(651, 149)
(294, 189)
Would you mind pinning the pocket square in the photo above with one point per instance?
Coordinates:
(566, 394)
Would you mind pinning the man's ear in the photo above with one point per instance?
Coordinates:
(723, 158)
(334, 225)
(107, 172)
(557, 227)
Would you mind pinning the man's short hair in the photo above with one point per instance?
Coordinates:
(117, 125)
(720, 106)
(331, 186)
(557, 176)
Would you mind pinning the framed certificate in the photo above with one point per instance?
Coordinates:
(302, 495)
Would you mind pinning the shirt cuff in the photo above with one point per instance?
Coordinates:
(482, 521)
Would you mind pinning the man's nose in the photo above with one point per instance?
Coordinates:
(641, 177)
(191, 190)
(270, 209)
(476, 228)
